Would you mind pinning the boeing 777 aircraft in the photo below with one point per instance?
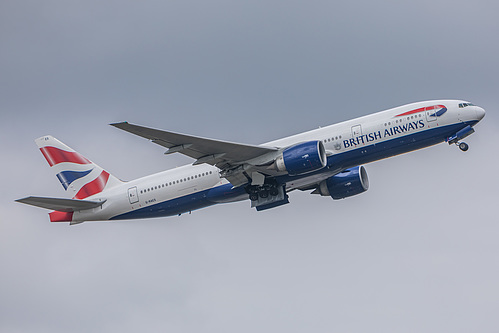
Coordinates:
(326, 161)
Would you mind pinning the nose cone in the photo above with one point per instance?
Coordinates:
(480, 113)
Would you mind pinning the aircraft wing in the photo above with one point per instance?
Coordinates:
(222, 154)
(62, 205)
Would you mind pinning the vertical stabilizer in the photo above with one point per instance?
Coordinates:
(80, 177)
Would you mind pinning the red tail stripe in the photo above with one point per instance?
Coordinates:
(55, 156)
(94, 187)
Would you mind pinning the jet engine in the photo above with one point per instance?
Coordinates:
(302, 158)
(347, 183)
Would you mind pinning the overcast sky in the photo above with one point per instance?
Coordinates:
(418, 252)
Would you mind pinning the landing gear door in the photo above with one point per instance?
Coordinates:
(133, 195)
(431, 113)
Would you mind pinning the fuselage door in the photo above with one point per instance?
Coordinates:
(356, 131)
(431, 113)
(133, 196)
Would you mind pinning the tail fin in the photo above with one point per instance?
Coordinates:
(80, 177)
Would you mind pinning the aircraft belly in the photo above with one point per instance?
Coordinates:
(187, 203)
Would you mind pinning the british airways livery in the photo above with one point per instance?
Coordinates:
(326, 161)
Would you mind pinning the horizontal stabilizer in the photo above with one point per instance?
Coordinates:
(61, 205)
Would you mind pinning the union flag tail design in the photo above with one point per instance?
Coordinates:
(79, 176)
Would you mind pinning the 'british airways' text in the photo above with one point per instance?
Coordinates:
(374, 136)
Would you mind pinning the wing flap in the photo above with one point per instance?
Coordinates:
(61, 205)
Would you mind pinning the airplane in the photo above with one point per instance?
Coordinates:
(327, 161)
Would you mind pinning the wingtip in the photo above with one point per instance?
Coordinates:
(119, 124)
(22, 200)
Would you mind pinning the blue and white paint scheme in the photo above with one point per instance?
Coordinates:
(326, 161)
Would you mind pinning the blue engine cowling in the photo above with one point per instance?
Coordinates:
(345, 184)
(302, 158)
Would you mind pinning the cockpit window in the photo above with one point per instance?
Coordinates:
(463, 105)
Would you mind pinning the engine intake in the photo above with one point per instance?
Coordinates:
(347, 183)
(302, 158)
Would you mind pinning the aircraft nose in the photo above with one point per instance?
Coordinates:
(480, 113)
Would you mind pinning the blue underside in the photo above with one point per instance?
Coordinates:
(362, 155)
(185, 204)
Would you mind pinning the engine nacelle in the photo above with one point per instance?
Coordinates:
(302, 158)
(345, 184)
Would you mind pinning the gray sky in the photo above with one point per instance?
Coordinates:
(417, 252)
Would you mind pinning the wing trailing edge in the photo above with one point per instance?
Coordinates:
(234, 160)
(204, 150)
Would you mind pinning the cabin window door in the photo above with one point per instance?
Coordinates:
(356, 131)
(431, 113)
(133, 195)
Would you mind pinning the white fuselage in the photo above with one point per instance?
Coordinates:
(349, 143)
